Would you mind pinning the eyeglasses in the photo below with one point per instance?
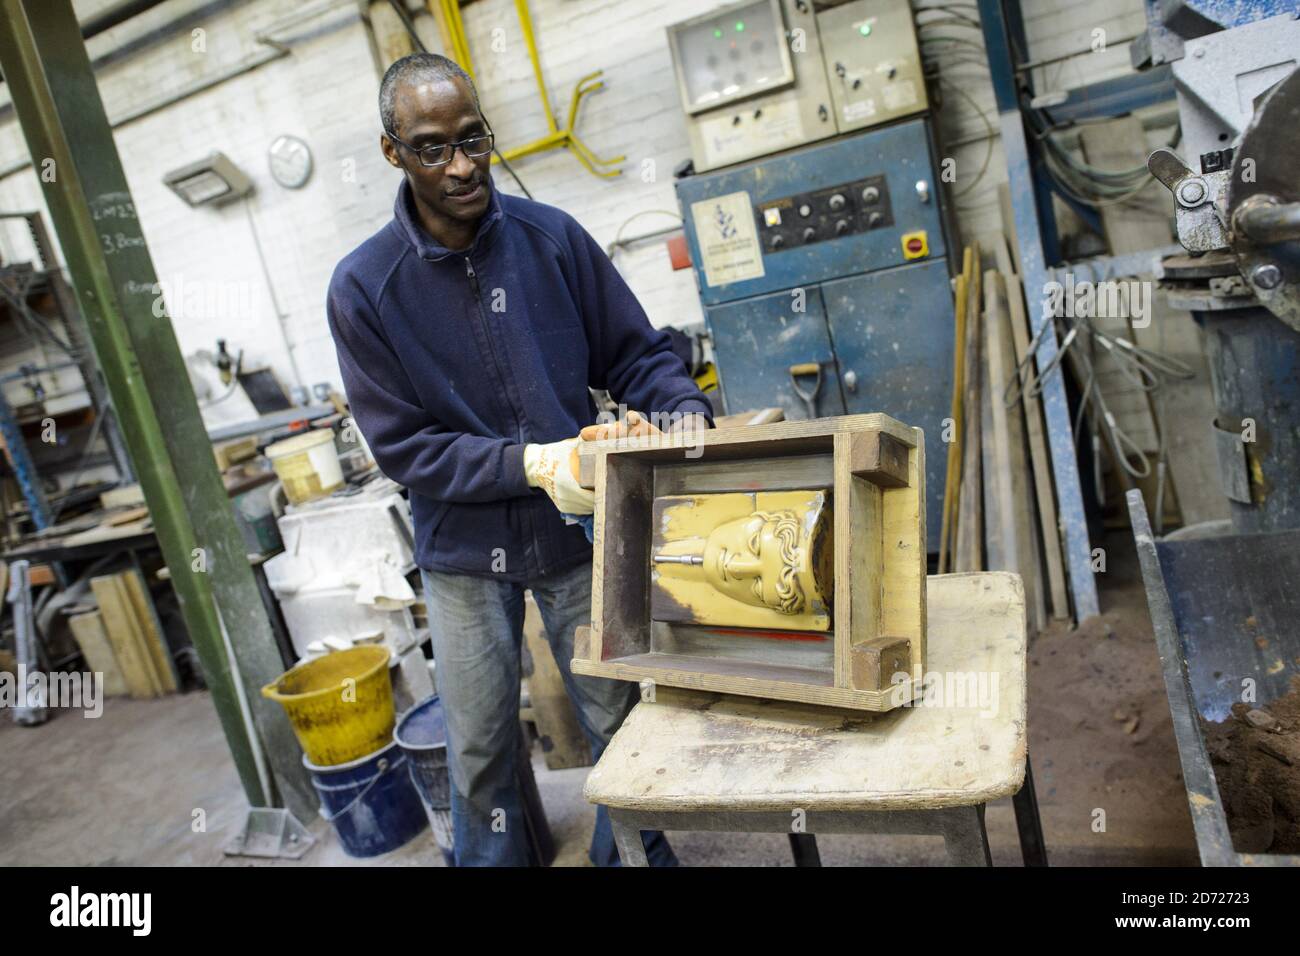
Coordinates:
(441, 154)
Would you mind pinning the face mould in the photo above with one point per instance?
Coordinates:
(756, 560)
(453, 197)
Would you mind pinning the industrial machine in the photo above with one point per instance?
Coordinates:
(1222, 601)
(1237, 209)
(821, 260)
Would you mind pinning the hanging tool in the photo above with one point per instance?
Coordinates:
(809, 398)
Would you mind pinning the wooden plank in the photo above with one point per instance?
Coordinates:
(763, 474)
(876, 662)
(232, 452)
(1040, 460)
(88, 630)
(150, 631)
(762, 416)
(621, 563)
(880, 458)
(800, 437)
(1010, 535)
(970, 527)
(952, 475)
(124, 517)
(745, 678)
(119, 497)
(858, 558)
(903, 559)
(119, 623)
(563, 743)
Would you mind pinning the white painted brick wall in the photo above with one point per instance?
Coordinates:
(325, 93)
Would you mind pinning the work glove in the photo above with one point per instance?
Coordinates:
(636, 425)
(554, 469)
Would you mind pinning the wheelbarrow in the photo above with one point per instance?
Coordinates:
(1224, 610)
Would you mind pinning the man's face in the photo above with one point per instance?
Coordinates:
(429, 114)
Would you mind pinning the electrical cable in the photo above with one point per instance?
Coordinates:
(618, 234)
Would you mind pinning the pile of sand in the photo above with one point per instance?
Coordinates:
(1256, 758)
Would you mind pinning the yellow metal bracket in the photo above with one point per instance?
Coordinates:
(453, 29)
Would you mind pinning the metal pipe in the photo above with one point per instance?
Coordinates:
(678, 559)
(115, 16)
(526, 22)
(1268, 222)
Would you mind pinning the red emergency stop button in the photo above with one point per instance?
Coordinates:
(915, 245)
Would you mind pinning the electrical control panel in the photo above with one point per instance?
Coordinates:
(761, 76)
(873, 63)
(814, 214)
(833, 213)
(751, 80)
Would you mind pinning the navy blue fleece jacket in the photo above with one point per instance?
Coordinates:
(453, 361)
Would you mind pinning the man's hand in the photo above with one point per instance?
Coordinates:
(634, 425)
(554, 469)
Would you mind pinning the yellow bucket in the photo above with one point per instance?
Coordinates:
(340, 705)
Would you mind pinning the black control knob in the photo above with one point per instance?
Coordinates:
(841, 226)
(809, 234)
(778, 242)
(870, 194)
(805, 210)
(837, 202)
(874, 220)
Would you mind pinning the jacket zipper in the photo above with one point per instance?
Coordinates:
(519, 434)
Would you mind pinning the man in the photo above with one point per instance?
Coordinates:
(468, 330)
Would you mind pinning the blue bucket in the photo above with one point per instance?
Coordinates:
(370, 801)
(422, 734)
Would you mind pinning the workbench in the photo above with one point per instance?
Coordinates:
(690, 760)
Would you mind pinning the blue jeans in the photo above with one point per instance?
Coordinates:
(477, 626)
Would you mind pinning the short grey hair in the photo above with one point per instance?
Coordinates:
(417, 68)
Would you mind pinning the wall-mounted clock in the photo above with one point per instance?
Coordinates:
(290, 161)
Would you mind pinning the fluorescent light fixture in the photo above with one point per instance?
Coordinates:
(209, 182)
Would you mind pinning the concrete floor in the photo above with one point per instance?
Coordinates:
(124, 789)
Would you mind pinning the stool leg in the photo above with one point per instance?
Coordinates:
(803, 847)
(965, 838)
(627, 837)
(1032, 846)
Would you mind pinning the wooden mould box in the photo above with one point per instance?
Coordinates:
(874, 470)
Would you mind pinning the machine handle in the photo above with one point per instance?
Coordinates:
(806, 368)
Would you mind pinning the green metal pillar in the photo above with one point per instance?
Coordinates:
(73, 154)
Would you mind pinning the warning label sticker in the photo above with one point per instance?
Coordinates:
(728, 240)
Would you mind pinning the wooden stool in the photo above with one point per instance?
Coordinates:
(704, 761)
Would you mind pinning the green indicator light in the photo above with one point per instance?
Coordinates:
(740, 26)
(865, 29)
(717, 34)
